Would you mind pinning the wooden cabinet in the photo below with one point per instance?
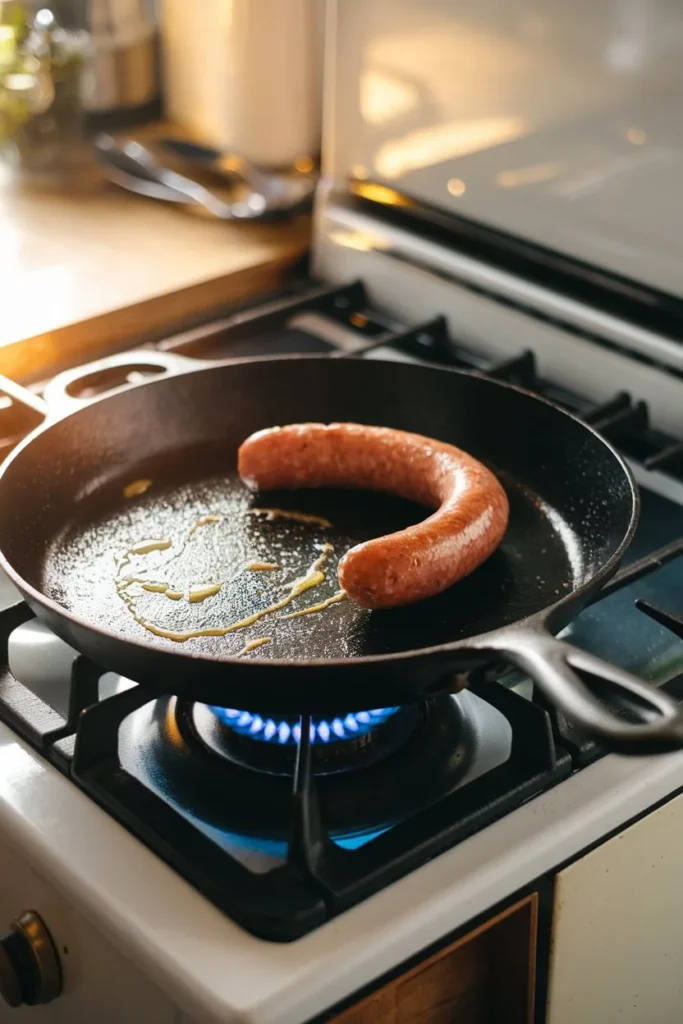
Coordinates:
(485, 977)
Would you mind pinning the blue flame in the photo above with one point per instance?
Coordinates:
(323, 730)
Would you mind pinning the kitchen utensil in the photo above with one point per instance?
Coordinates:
(130, 174)
(135, 156)
(278, 187)
(131, 155)
(139, 185)
(573, 513)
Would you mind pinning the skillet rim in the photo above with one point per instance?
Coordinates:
(537, 620)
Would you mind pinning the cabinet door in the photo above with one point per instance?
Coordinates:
(617, 947)
(486, 977)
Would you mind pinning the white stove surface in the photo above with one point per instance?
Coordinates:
(215, 972)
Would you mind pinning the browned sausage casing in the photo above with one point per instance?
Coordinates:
(472, 507)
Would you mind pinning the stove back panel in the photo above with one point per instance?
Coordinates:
(555, 122)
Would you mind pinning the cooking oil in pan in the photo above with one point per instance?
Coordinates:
(129, 586)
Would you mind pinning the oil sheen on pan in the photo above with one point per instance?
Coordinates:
(205, 534)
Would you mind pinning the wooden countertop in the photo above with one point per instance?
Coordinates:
(86, 274)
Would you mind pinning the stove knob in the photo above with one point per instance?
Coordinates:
(29, 965)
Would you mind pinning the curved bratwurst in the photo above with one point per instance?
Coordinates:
(412, 564)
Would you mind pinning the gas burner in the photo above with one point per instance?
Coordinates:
(338, 743)
(163, 746)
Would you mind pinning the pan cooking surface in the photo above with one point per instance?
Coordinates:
(204, 534)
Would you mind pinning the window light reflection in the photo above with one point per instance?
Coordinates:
(441, 142)
(384, 97)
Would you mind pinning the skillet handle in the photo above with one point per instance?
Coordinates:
(58, 401)
(124, 369)
(554, 666)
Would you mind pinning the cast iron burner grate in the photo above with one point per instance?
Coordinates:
(325, 319)
(319, 878)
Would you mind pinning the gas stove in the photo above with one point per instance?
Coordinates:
(281, 834)
(234, 865)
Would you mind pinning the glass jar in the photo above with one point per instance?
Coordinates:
(42, 117)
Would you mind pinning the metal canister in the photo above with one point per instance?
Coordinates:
(124, 69)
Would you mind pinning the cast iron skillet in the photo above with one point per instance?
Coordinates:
(64, 522)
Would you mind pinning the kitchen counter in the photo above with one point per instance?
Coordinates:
(85, 274)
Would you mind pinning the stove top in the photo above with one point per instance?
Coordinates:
(284, 823)
(284, 837)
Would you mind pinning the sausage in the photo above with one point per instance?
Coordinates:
(412, 564)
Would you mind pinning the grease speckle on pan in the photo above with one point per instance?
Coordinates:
(253, 645)
(136, 488)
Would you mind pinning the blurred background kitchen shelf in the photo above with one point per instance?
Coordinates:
(84, 265)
